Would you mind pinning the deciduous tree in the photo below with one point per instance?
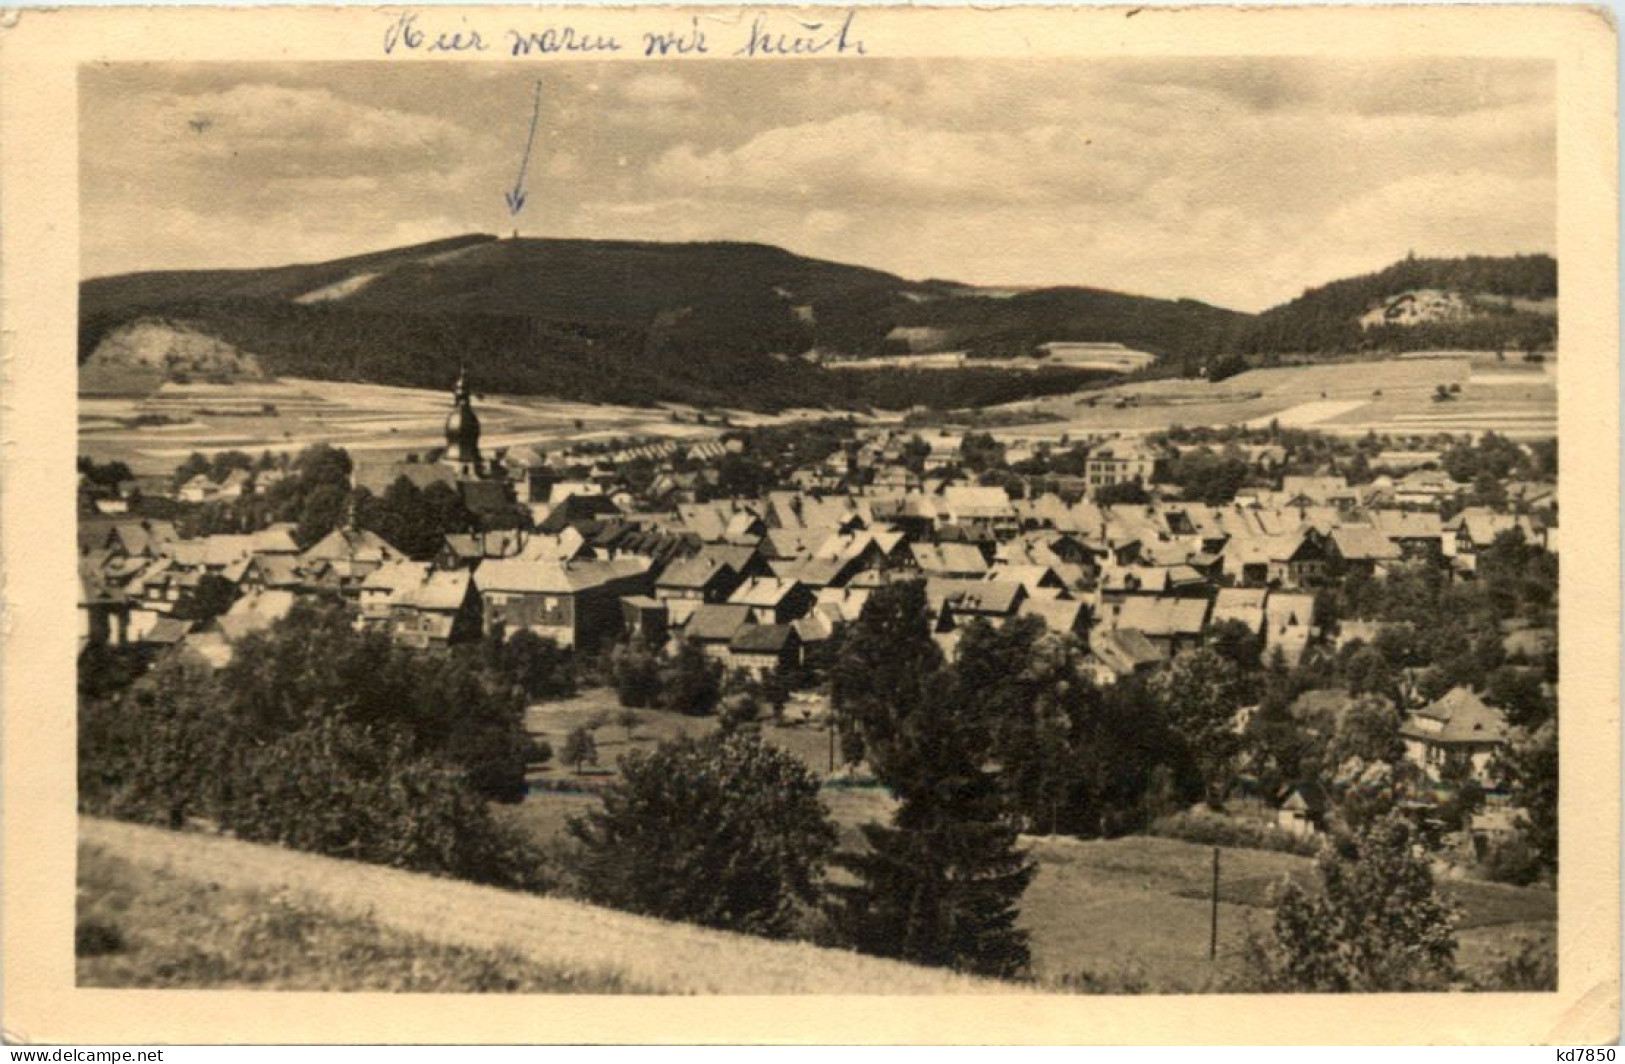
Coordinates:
(690, 682)
(1376, 924)
(580, 749)
(725, 831)
(1200, 693)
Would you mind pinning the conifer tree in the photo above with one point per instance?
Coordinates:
(938, 886)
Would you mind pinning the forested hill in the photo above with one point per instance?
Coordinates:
(730, 323)
(1476, 303)
(740, 324)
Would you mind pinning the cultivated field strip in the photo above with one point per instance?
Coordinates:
(672, 958)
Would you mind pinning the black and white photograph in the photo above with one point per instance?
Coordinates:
(963, 514)
(802, 520)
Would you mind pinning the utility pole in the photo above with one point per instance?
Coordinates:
(1213, 935)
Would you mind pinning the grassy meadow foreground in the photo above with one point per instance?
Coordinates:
(1128, 915)
(1131, 915)
(144, 926)
(168, 909)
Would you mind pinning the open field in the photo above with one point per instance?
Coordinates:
(374, 422)
(554, 721)
(1393, 396)
(1139, 907)
(1118, 911)
(558, 792)
(594, 948)
(187, 909)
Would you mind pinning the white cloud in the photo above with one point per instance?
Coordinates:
(283, 131)
(826, 222)
(659, 88)
(873, 158)
(1238, 181)
(562, 164)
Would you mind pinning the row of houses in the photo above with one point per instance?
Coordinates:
(1132, 580)
(774, 575)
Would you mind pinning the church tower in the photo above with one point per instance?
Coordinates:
(463, 431)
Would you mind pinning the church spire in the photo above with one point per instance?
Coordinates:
(463, 429)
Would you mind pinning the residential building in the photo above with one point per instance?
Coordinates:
(1461, 729)
(576, 604)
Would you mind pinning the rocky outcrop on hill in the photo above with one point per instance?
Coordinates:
(174, 349)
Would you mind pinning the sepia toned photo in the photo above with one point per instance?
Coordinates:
(732, 509)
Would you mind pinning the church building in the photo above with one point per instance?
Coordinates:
(483, 486)
(463, 433)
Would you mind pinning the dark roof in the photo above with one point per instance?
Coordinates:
(762, 639)
(578, 508)
(484, 496)
(715, 621)
(693, 572)
(167, 631)
(1459, 717)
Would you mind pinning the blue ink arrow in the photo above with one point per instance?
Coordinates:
(516, 198)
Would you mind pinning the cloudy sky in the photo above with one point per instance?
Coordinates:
(1239, 182)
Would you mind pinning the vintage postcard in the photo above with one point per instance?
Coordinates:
(873, 524)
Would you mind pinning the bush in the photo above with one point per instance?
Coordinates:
(93, 938)
(1531, 967)
(636, 675)
(740, 710)
(1512, 860)
(459, 706)
(540, 667)
(1213, 829)
(690, 683)
(1377, 923)
(344, 790)
(1128, 978)
(725, 831)
(155, 756)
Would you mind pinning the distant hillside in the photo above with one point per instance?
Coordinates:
(723, 323)
(595, 946)
(732, 324)
(1012, 326)
(1473, 303)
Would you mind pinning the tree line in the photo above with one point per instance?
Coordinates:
(320, 737)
